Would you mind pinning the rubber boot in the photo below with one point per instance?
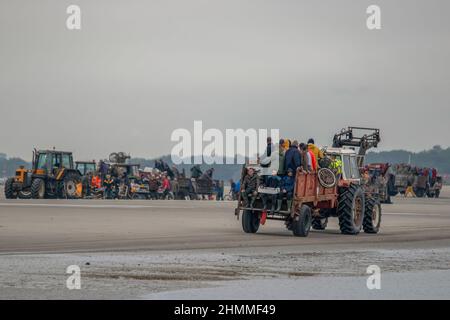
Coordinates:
(289, 204)
(264, 200)
(279, 203)
(245, 198)
(252, 201)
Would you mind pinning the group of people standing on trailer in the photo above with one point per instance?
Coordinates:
(279, 179)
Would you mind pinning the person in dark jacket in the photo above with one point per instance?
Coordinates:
(273, 181)
(287, 189)
(249, 187)
(292, 158)
(196, 172)
(108, 184)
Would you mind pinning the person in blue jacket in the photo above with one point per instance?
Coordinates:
(287, 189)
(292, 158)
(273, 181)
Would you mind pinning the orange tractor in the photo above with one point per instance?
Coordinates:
(52, 176)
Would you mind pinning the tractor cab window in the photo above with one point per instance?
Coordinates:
(66, 161)
(56, 160)
(354, 169)
(81, 167)
(346, 167)
(90, 167)
(42, 161)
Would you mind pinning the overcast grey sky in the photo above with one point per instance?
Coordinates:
(137, 70)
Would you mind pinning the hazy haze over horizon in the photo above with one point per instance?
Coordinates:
(137, 70)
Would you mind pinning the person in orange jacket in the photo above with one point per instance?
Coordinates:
(315, 150)
(96, 182)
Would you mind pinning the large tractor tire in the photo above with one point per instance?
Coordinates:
(250, 221)
(25, 194)
(372, 216)
(38, 189)
(302, 222)
(351, 209)
(71, 181)
(9, 189)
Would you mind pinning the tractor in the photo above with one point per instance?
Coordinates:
(381, 180)
(319, 195)
(52, 176)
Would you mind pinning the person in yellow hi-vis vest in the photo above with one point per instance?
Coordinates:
(336, 165)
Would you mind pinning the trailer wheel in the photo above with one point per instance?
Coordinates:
(351, 209)
(38, 189)
(250, 221)
(302, 222)
(372, 216)
(9, 189)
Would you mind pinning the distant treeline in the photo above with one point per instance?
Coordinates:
(436, 157)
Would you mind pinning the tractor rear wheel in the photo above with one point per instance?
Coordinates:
(250, 221)
(302, 222)
(9, 189)
(38, 189)
(70, 184)
(372, 216)
(351, 209)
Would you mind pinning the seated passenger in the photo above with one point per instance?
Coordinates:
(249, 187)
(273, 181)
(287, 189)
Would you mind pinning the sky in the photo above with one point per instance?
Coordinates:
(138, 70)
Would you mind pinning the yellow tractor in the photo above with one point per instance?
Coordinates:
(52, 176)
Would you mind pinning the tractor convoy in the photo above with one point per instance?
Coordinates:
(54, 175)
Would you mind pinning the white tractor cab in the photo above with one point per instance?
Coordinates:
(349, 159)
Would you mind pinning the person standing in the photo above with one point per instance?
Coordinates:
(292, 159)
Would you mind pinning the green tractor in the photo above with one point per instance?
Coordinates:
(52, 176)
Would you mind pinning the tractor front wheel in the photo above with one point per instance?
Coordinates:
(25, 194)
(372, 216)
(9, 189)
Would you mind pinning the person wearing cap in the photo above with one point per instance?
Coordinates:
(315, 150)
(287, 190)
(292, 158)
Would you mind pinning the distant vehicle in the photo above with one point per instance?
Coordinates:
(381, 181)
(52, 176)
(84, 167)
